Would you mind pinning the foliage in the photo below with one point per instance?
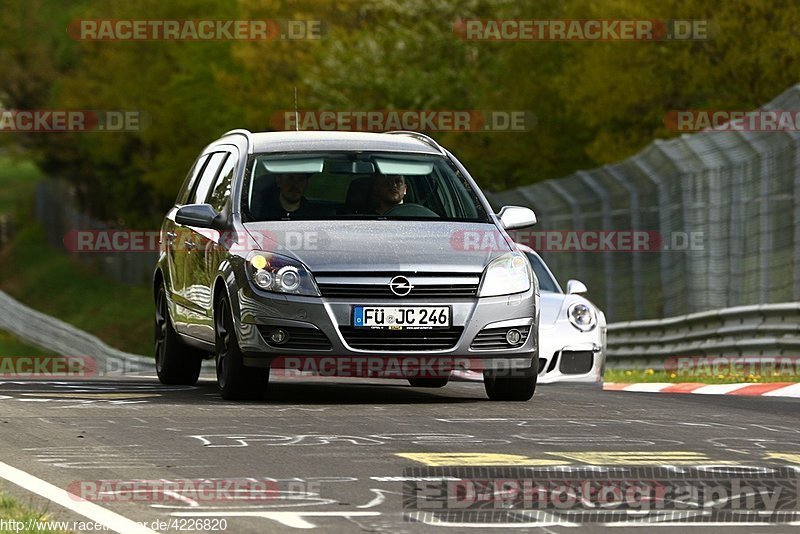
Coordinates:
(594, 102)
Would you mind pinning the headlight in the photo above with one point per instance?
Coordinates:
(280, 274)
(582, 317)
(508, 274)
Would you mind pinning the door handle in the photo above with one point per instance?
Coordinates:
(171, 237)
(190, 245)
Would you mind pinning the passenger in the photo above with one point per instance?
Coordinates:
(290, 202)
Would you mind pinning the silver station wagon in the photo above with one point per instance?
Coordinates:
(341, 253)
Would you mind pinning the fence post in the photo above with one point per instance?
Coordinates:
(577, 219)
(636, 258)
(663, 229)
(608, 260)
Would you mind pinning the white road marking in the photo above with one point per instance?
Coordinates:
(111, 520)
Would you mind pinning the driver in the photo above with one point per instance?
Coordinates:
(389, 191)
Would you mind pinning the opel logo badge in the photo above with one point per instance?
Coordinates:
(400, 286)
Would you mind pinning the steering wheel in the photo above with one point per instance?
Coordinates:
(411, 210)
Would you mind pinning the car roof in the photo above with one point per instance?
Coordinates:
(316, 141)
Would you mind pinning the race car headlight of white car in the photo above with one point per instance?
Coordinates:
(280, 274)
(582, 317)
(510, 273)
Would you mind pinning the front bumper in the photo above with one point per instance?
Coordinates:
(569, 355)
(332, 317)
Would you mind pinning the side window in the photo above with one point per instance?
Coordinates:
(222, 186)
(203, 184)
(190, 179)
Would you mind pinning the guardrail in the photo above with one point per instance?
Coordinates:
(741, 331)
(64, 339)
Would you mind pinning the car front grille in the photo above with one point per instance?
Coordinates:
(299, 338)
(576, 362)
(401, 340)
(367, 291)
(376, 285)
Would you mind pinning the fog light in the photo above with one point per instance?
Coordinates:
(278, 336)
(513, 336)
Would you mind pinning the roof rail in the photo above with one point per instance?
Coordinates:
(244, 132)
(430, 141)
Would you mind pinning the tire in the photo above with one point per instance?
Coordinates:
(428, 382)
(511, 388)
(234, 380)
(176, 363)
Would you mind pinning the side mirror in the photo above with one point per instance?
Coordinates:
(197, 215)
(512, 217)
(576, 286)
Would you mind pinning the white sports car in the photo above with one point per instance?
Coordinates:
(572, 330)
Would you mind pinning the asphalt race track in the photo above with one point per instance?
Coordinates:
(335, 451)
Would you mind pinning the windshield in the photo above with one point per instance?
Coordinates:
(546, 281)
(327, 186)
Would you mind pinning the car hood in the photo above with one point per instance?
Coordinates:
(551, 306)
(386, 245)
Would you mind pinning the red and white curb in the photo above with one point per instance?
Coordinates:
(771, 389)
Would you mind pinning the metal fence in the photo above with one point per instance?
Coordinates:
(761, 330)
(57, 213)
(738, 191)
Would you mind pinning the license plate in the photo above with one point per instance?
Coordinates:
(401, 317)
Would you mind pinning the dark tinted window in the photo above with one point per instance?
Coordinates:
(358, 186)
(222, 186)
(203, 184)
(189, 182)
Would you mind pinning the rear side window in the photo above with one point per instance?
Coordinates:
(191, 178)
(201, 188)
(222, 186)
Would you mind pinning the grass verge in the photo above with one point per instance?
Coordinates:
(56, 284)
(52, 282)
(651, 375)
(31, 520)
(12, 346)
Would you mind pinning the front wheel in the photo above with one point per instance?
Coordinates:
(511, 388)
(234, 379)
(176, 362)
